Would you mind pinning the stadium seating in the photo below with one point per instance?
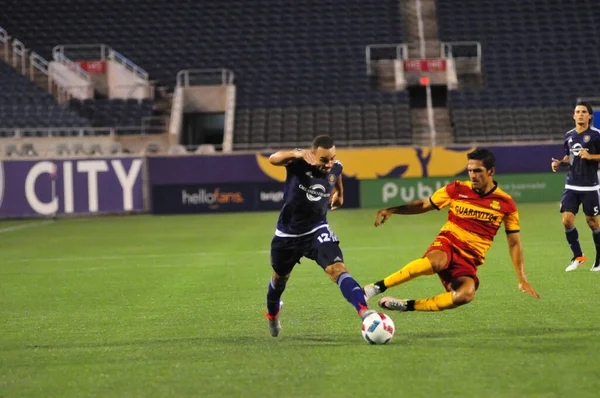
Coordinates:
(538, 57)
(23, 104)
(113, 112)
(299, 65)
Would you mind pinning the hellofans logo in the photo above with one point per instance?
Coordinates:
(211, 198)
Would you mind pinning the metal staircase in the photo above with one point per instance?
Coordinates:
(422, 39)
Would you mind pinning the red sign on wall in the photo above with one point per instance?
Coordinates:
(93, 66)
(425, 65)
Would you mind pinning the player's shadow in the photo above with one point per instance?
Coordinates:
(109, 344)
(433, 335)
(530, 339)
(236, 340)
(326, 340)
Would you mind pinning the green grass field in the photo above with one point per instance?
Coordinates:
(147, 306)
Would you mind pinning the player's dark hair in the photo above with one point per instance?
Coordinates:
(322, 141)
(589, 109)
(485, 155)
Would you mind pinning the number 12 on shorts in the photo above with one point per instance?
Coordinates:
(328, 236)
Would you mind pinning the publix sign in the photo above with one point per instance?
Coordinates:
(527, 187)
(392, 192)
(47, 187)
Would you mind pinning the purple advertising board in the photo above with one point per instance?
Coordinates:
(35, 188)
(230, 197)
(361, 164)
(211, 176)
(205, 169)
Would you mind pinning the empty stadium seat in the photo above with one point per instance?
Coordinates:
(25, 105)
(295, 54)
(113, 112)
(538, 57)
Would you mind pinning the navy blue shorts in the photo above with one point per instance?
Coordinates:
(321, 246)
(571, 200)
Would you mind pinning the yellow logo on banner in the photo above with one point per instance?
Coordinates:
(373, 163)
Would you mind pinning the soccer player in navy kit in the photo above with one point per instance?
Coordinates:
(582, 154)
(313, 184)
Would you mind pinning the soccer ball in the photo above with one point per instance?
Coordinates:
(378, 328)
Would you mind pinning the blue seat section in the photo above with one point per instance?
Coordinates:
(284, 53)
(23, 104)
(535, 53)
(113, 112)
(538, 58)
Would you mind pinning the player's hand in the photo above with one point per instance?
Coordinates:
(555, 164)
(308, 156)
(336, 200)
(525, 287)
(382, 216)
(584, 154)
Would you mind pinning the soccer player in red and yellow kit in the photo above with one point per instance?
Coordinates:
(476, 209)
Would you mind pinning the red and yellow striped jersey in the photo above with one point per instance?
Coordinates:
(473, 220)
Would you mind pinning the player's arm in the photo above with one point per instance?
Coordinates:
(584, 154)
(415, 207)
(337, 197)
(283, 158)
(556, 163)
(515, 249)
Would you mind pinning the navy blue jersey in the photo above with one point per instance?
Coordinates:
(583, 173)
(306, 196)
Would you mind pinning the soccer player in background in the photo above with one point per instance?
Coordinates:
(582, 153)
(477, 208)
(313, 184)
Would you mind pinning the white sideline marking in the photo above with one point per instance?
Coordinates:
(133, 256)
(193, 254)
(23, 226)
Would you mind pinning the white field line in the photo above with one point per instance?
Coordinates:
(23, 226)
(172, 255)
(398, 247)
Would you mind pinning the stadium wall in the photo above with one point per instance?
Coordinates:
(248, 182)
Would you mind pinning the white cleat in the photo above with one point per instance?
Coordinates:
(393, 304)
(575, 263)
(365, 313)
(371, 291)
(595, 267)
(274, 323)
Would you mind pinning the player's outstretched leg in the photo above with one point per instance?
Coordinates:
(419, 267)
(440, 302)
(463, 292)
